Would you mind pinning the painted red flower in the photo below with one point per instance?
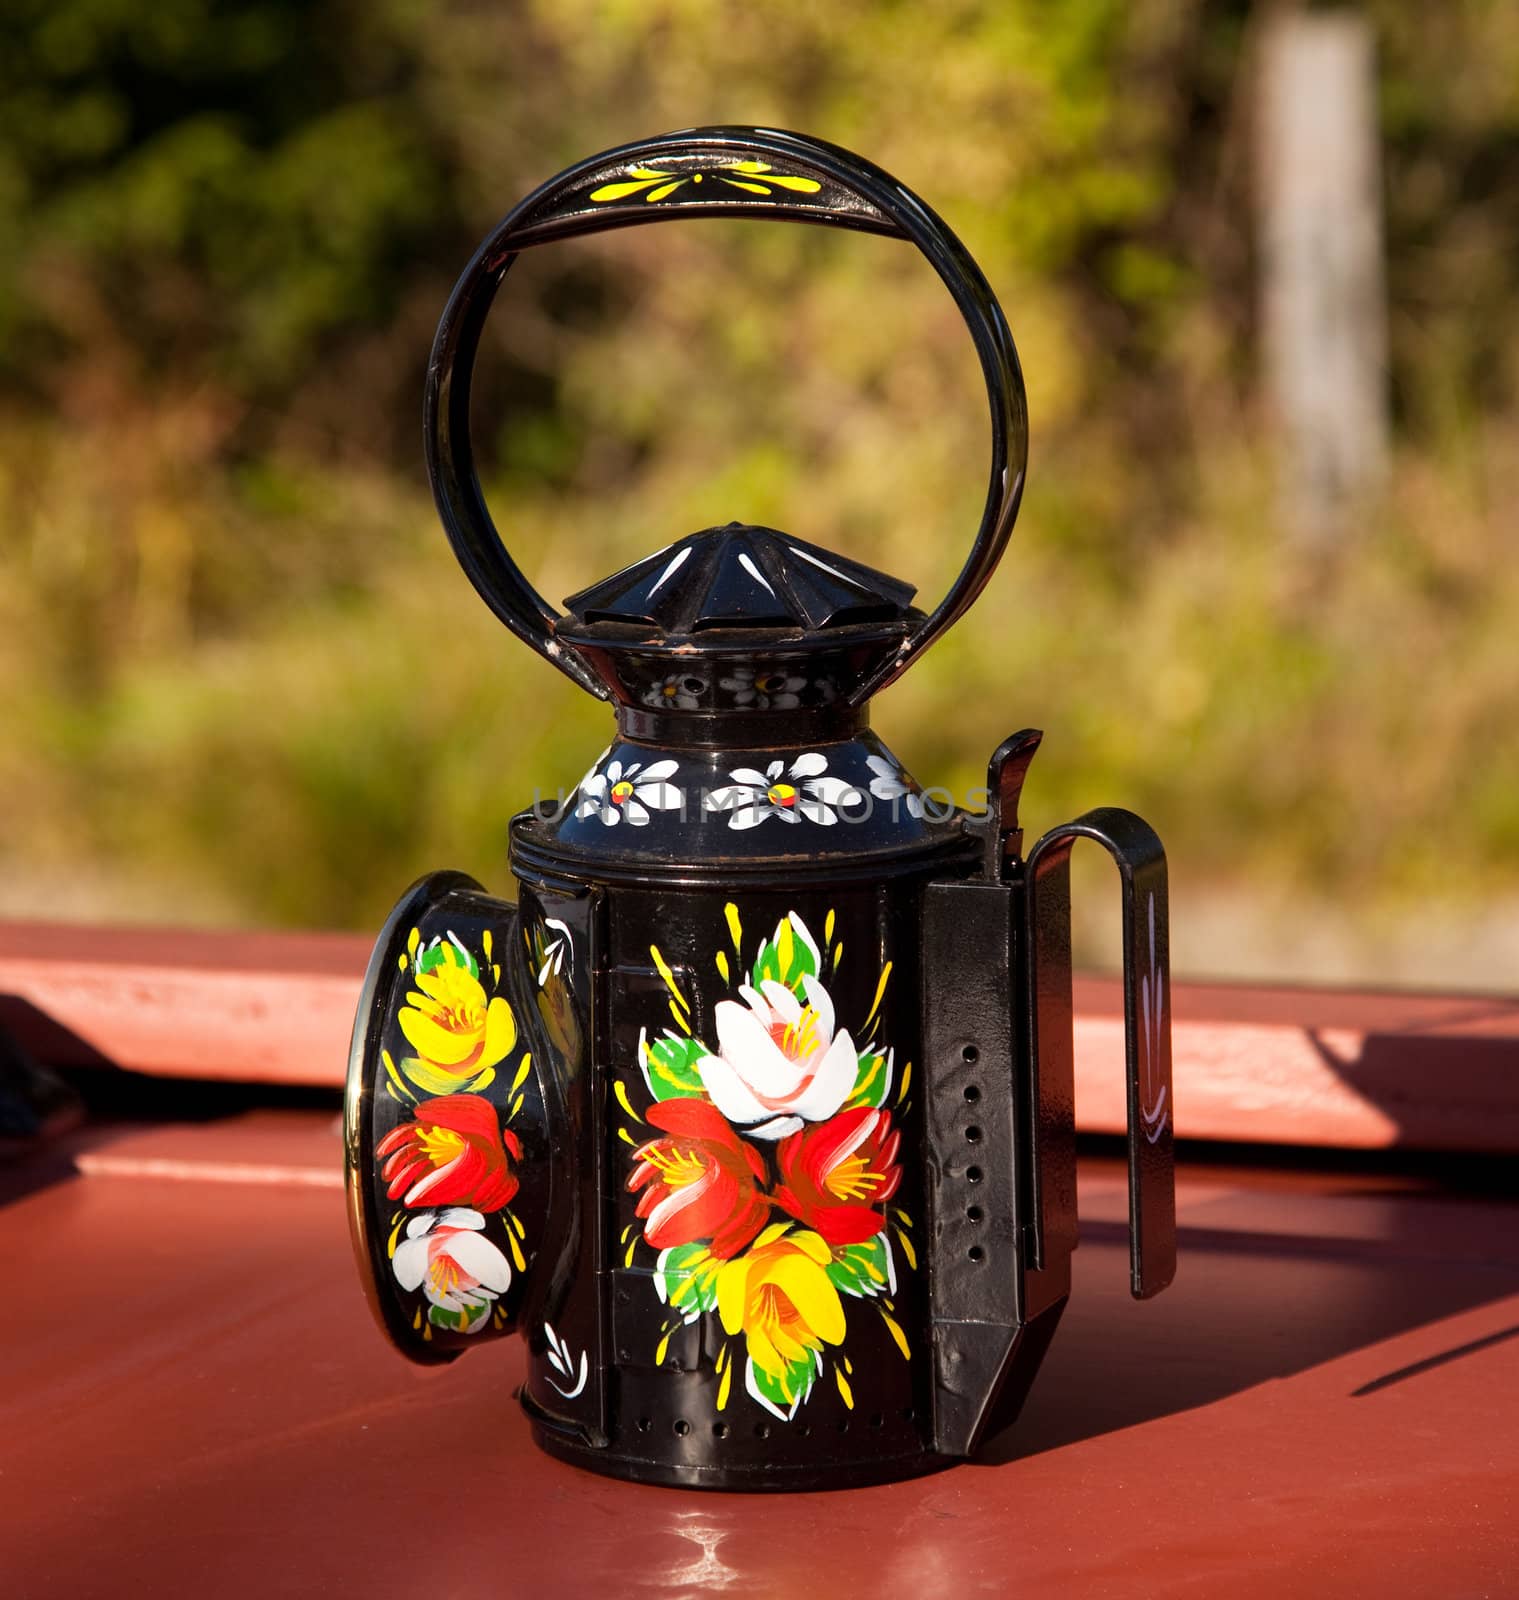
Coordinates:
(454, 1154)
(699, 1181)
(834, 1173)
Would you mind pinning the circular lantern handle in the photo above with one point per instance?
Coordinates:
(709, 172)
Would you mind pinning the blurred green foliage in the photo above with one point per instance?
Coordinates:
(242, 678)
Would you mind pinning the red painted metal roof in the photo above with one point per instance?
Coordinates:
(1290, 1065)
(195, 1401)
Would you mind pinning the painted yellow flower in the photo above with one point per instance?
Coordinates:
(459, 1036)
(779, 1296)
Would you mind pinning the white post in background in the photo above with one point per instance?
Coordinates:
(1323, 296)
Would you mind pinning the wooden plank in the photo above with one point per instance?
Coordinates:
(1356, 1069)
(252, 1007)
(1324, 1404)
(1292, 1065)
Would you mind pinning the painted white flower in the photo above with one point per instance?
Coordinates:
(681, 690)
(801, 790)
(763, 690)
(459, 1270)
(780, 1064)
(890, 783)
(629, 792)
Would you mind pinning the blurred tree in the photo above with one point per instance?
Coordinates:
(243, 678)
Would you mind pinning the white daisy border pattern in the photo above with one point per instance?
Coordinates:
(801, 791)
(804, 790)
(629, 792)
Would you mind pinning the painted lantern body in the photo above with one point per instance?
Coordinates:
(753, 1113)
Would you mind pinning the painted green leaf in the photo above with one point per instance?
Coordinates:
(669, 1066)
(781, 1393)
(874, 1081)
(863, 1270)
(457, 1321)
(686, 1279)
(787, 957)
(445, 950)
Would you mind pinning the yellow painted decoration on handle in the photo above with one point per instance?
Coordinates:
(754, 177)
(641, 179)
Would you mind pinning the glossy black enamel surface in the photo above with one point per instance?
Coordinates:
(451, 1147)
(672, 803)
(670, 1416)
(753, 1115)
(759, 173)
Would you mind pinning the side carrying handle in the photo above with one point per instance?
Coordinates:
(706, 172)
(1141, 861)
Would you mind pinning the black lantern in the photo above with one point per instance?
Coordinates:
(754, 1113)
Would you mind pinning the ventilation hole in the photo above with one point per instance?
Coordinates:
(972, 1094)
(624, 1355)
(673, 1364)
(843, 1424)
(804, 1430)
(976, 1253)
(644, 1424)
(973, 1174)
(970, 1054)
(763, 1430)
(973, 1134)
(720, 1429)
(682, 1427)
(974, 1213)
(908, 1413)
(877, 1420)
